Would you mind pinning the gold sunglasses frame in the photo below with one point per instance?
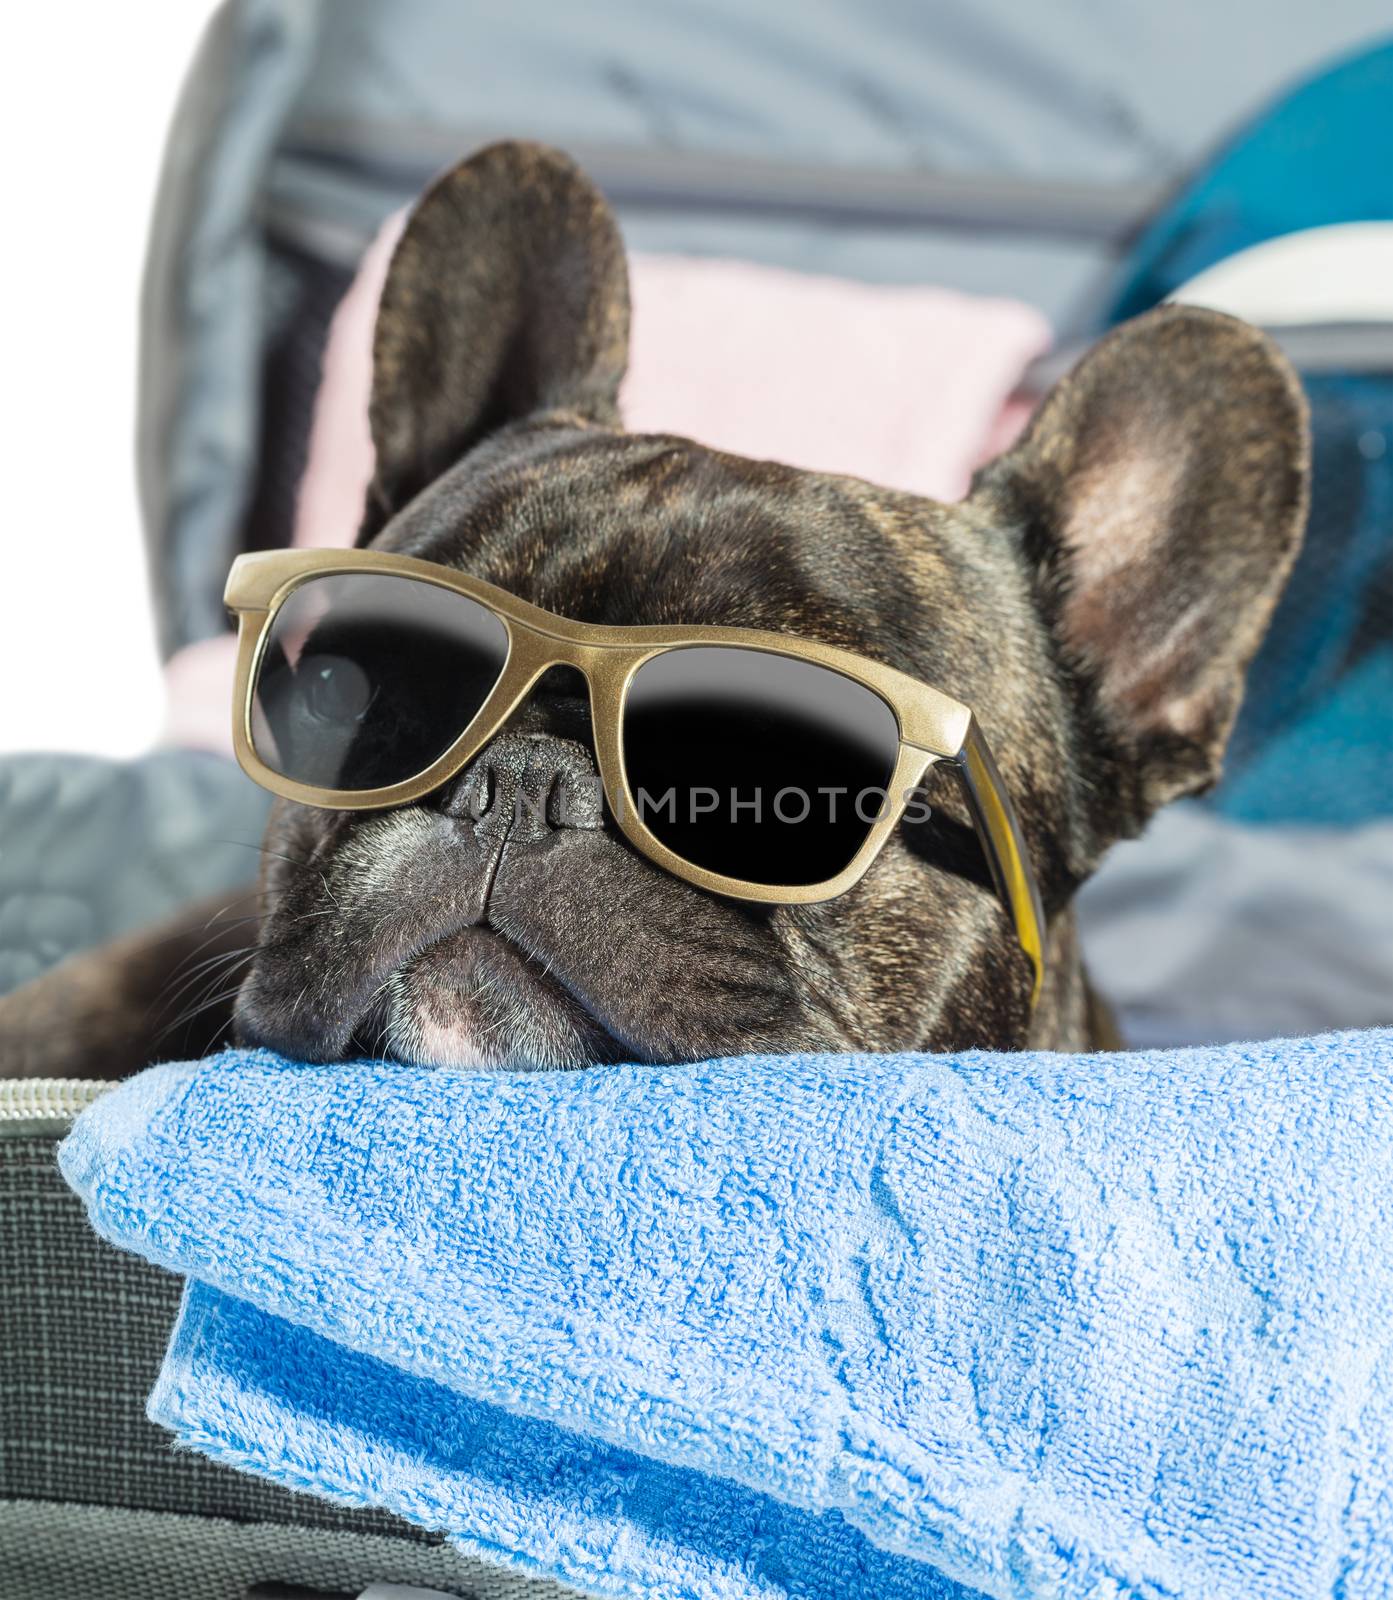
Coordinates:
(934, 728)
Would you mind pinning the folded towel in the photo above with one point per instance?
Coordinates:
(826, 1327)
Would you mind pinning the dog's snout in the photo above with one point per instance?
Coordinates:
(523, 786)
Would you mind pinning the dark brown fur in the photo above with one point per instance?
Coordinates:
(1096, 600)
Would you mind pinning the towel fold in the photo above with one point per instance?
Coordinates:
(1037, 1325)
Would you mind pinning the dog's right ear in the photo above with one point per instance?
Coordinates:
(507, 296)
(1160, 493)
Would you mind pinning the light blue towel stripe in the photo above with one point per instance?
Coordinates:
(1046, 1325)
(249, 1389)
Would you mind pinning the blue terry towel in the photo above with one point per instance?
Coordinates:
(1040, 1325)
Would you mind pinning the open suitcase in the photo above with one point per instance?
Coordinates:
(887, 147)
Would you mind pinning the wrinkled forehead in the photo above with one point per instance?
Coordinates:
(624, 529)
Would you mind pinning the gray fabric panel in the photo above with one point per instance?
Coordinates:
(95, 848)
(200, 343)
(52, 1551)
(335, 207)
(83, 1329)
(1110, 107)
(1205, 931)
(95, 1500)
(1111, 94)
(675, 180)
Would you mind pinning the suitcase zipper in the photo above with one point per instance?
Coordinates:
(45, 1101)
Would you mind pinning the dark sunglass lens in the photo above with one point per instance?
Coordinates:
(366, 680)
(757, 766)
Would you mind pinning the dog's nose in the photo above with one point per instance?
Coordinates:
(523, 786)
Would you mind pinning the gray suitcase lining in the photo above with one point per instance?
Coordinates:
(94, 1499)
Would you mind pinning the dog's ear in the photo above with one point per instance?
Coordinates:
(507, 295)
(1161, 492)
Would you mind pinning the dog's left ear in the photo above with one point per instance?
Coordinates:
(1161, 495)
(507, 295)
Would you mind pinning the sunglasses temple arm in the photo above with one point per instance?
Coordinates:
(995, 820)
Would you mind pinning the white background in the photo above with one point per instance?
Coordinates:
(86, 94)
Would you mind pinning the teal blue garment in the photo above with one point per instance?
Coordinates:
(1322, 154)
(1314, 741)
(825, 1327)
(1335, 761)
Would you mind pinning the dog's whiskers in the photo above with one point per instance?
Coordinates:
(176, 990)
(193, 1011)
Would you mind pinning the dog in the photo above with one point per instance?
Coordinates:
(1096, 600)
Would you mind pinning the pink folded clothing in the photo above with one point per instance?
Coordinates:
(902, 386)
(910, 387)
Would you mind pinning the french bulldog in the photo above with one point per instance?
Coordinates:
(1096, 599)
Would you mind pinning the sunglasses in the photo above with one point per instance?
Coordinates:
(751, 764)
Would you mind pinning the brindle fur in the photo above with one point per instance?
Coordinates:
(1096, 600)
